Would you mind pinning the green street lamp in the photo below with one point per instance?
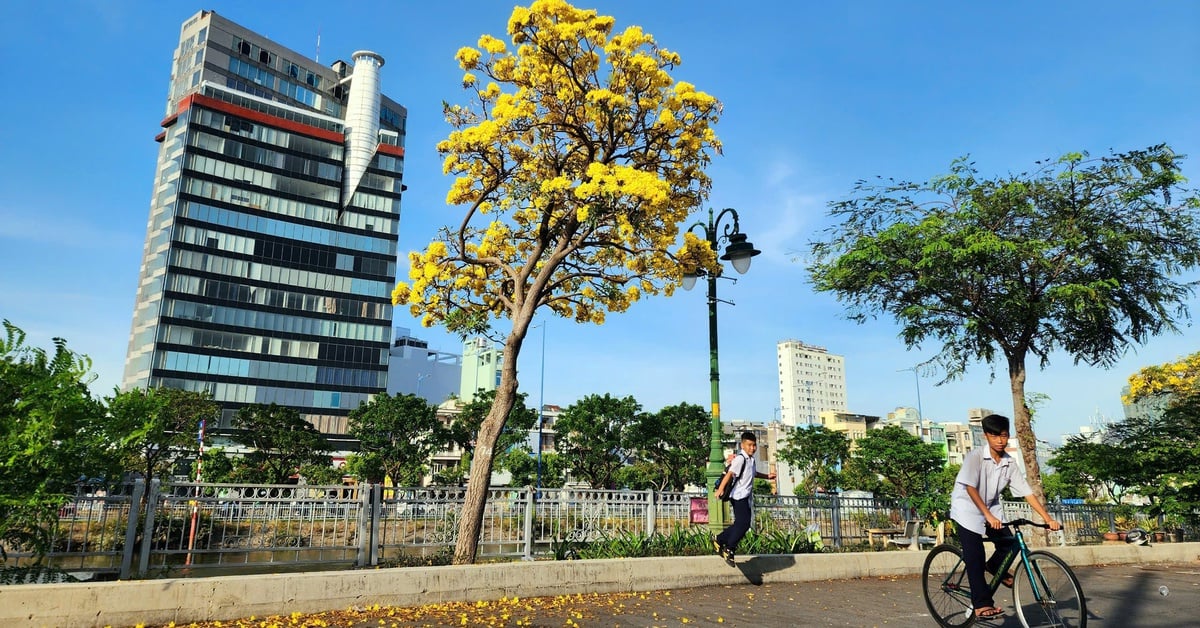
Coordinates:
(737, 252)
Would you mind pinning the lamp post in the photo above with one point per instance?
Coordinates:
(738, 252)
(917, 377)
(541, 407)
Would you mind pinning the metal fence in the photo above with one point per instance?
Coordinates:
(180, 529)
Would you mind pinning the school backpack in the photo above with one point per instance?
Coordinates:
(727, 494)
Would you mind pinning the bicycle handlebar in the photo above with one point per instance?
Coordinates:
(1026, 522)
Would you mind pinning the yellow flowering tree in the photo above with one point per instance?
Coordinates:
(1178, 380)
(576, 161)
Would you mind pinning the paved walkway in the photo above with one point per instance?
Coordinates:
(1124, 596)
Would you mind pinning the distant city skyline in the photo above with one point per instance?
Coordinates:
(824, 95)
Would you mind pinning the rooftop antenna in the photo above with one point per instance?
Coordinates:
(318, 59)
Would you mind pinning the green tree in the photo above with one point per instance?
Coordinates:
(903, 461)
(1099, 467)
(471, 415)
(1080, 256)
(577, 161)
(401, 433)
(818, 453)
(281, 442)
(216, 466)
(1163, 454)
(154, 429)
(50, 436)
(594, 434)
(671, 446)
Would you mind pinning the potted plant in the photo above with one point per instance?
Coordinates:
(1125, 518)
(1172, 526)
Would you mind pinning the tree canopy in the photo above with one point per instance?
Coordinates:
(281, 443)
(50, 436)
(595, 435)
(671, 446)
(399, 434)
(818, 453)
(904, 462)
(576, 161)
(1080, 255)
(153, 429)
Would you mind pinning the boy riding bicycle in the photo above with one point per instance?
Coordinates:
(976, 509)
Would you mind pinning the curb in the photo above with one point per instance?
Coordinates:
(184, 600)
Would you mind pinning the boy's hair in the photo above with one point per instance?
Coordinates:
(749, 436)
(994, 424)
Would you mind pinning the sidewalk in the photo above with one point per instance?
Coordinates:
(159, 602)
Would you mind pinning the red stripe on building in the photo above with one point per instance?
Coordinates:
(273, 121)
(388, 149)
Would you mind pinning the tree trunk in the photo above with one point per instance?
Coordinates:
(480, 478)
(1023, 424)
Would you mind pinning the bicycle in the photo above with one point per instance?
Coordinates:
(1045, 590)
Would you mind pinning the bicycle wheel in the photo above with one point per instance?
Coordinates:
(1052, 598)
(944, 582)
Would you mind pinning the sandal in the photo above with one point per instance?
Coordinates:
(1007, 581)
(988, 611)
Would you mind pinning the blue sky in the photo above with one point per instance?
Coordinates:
(816, 95)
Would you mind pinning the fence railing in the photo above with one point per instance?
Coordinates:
(182, 529)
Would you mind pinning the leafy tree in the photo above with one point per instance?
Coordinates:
(671, 446)
(817, 452)
(217, 466)
(1059, 487)
(472, 414)
(1079, 256)
(1093, 466)
(50, 436)
(577, 161)
(933, 502)
(154, 429)
(1163, 454)
(594, 433)
(280, 442)
(903, 461)
(400, 434)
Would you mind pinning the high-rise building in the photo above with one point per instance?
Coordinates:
(811, 381)
(271, 244)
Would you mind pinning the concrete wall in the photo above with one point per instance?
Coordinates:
(183, 600)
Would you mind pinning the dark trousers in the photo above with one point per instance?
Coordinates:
(731, 536)
(972, 549)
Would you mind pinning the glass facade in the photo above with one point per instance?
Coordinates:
(260, 283)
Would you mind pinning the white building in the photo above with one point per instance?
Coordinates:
(415, 369)
(811, 381)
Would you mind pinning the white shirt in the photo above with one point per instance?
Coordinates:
(989, 477)
(744, 472)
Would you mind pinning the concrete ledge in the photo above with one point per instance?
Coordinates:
(184, 600)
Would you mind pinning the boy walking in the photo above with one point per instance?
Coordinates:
(975, 508)
(742, 472)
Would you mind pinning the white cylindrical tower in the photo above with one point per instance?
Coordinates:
(362, 120)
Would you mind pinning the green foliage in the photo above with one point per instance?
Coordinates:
(154, 429)
(398, 435)
(216, 466)
(1090, 466)
(595, 434)
(280, 442)
(817, 452)
(670, 447)
(1082, 256)
(470, 417)
(50, 436)
(904, 462)
(523, 466)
